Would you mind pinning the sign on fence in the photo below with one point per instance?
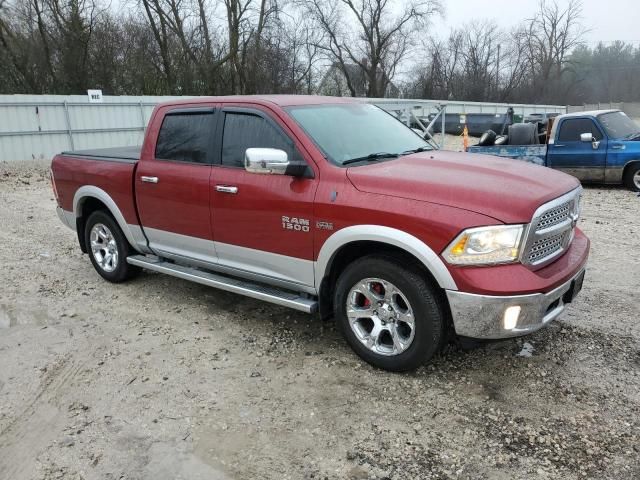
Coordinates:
(95, 96)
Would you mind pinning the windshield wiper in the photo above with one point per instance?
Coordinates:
(417, 150)
(371, 156)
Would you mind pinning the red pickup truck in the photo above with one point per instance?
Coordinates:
(333, 206)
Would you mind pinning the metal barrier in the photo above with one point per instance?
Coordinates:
(414, 111)
(39, 126)
(34, 127)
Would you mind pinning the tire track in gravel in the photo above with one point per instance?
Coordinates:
(23, 439)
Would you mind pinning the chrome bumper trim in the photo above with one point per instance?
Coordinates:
(68, 218)
(481, 316)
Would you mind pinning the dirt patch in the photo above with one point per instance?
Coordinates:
(162, 379)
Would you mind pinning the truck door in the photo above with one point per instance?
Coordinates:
(584, 160)
(262, 224)
(172, 184)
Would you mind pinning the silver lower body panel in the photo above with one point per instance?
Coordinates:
(482, 316)
(254, 290)
(68, 218)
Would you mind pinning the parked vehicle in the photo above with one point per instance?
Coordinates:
(477, 123)
(333, 206)
(602, 146)
(539, 117)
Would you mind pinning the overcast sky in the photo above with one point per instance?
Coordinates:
(607, 20)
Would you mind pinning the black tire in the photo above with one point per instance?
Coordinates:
(523, 134)
(631, 178)
(487, 139)
(116, 271)
(429, 332)
(501, 140)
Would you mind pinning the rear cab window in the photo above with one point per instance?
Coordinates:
(186, 136)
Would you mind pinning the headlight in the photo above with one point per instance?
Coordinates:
(485, 245)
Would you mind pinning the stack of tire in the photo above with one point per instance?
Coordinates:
(518, 134)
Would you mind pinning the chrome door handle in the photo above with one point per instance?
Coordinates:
(149, 179)
(226, 189)
(617, 147)
(557, 145)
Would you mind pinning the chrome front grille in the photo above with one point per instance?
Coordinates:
(543, 247)
(551, 230)
(554, 216)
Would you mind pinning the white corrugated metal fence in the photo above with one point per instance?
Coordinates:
(39, 126)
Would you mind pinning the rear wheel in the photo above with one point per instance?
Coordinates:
(389, 314)
(108, 248)
(632, 178)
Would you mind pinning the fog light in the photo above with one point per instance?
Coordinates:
(511, 315)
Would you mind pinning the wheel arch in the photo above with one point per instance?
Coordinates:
(354, 242)
(628, 166)
(90, 198)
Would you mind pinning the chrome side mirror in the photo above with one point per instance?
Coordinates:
(588, 137)
(270, 161)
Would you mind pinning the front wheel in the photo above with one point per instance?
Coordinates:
(632, 178)
(108, 248)
(390, 315)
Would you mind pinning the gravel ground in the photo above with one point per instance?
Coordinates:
(164, 379)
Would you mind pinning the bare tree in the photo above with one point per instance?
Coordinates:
(549, 37)
(248, 22)
(512, 73)
(438, 72)
(13, 44)
(479, 58)
(303, 39)
(161, 32)
(466, 65)
(49, 41)
(479, 62)
(282, 46)
(379, 42)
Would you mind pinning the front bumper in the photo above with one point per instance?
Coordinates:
(483, 316)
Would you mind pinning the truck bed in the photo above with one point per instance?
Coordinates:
(119, 154)
(107, 172)
(529, 153)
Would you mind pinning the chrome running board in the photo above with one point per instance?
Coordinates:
(242, 287)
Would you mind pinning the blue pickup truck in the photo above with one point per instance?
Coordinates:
(601, 146)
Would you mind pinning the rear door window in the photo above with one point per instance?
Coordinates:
(187, 136)
(572, 128)
(245, 130)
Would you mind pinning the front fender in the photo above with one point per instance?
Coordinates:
(391, 236)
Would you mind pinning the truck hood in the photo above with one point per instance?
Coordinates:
(507, 190)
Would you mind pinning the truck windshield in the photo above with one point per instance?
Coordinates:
(352, 133)
(618, 125)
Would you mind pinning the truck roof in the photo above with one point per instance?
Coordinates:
(588, 113)
(281, 100)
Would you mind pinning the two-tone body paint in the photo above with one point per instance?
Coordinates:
(420, 202)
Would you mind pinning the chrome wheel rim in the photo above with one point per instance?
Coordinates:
(636, 179)
(380, 316)
(104, 247)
